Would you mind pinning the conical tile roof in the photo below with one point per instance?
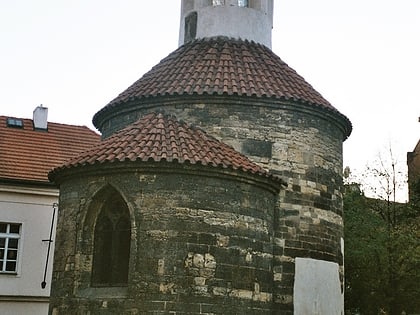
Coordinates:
(221, 66)
(157, 137)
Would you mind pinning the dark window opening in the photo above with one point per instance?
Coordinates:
(190, 30)
(111, 244)
(14, 122)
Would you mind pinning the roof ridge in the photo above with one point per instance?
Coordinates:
(49, 122)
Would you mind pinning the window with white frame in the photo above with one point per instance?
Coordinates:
(9, 245)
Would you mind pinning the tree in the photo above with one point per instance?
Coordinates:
(382, 258)
(364, 255)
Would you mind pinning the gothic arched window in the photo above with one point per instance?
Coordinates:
(111, 249)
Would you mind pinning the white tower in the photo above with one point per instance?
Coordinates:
(240, 19)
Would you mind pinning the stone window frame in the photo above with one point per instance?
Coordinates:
(87, 233)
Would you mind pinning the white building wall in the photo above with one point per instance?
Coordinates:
(23, 308)
(21, 293)
(252, 23)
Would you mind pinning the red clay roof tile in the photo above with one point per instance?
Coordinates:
(28, 155)
(221, 64)
(157, 137)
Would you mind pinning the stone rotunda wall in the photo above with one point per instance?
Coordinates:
(301, 143)
(201, 241)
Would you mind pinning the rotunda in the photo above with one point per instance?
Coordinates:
(218, 182)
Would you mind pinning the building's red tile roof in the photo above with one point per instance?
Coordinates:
(28, 155)
(222, 66)
(158, 137)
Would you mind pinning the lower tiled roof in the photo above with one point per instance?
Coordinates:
(219, 66)
(158, 137)
(28, 155)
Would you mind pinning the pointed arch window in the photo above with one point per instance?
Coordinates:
(111, 250)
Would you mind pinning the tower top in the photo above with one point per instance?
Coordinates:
(240, 19)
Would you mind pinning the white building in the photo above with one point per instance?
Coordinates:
(29, 148)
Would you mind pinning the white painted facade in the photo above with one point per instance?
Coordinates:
(32, 208)
(253, 22)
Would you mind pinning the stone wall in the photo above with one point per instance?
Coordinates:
(201, 241)
(413, 164)
(301, 143)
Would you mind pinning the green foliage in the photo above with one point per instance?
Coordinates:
(364, 255)
(382, 255)
(405, 252)
(415, 196)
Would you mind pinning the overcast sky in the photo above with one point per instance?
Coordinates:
(76, 56)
